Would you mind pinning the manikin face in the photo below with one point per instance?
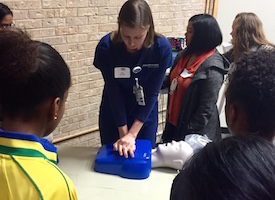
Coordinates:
(189, 34)
(7, 21)
(133, 38)
(171, 146)
(175, 153)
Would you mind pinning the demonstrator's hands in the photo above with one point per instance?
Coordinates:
(125, 145)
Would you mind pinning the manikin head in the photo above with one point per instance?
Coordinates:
(173, 154)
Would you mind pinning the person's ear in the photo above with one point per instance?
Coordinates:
(55, 108)
(231, 114)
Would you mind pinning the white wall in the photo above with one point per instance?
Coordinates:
(228, 9)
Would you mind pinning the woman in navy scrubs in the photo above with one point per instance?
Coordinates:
(133, 61)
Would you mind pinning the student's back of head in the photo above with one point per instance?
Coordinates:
(31, 73)
(250, 96)
(34, 83)
(239, 167)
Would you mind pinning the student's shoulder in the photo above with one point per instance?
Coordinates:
(62, 183)
(53, 181)
(71, 188)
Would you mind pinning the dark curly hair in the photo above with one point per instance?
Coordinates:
(252, 83)
(30, 73)
(238, 167)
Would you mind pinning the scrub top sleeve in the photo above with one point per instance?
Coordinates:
(102, 53)
(114, 93)
(153, 87)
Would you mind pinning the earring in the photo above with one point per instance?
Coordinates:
(55, 117)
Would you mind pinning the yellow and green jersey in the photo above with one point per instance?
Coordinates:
(28, 171)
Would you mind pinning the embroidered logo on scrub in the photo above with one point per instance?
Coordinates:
(151, 65)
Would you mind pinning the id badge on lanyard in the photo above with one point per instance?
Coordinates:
(138, 91)
(137, 88)
(173, 86)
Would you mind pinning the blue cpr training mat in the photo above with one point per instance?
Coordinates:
(110, 162)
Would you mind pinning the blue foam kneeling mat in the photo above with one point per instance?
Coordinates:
(110, 162)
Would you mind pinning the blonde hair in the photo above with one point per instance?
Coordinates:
(135, 13)
(249, 33)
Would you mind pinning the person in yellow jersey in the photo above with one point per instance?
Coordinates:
(34, 84)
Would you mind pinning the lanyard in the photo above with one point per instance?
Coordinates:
(137, 88)
(184, 73)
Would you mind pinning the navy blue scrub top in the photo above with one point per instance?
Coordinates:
(118, 92)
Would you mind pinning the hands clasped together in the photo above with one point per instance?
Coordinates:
(125, 145)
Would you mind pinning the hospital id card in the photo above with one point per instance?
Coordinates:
(185, 74)
(122, 72)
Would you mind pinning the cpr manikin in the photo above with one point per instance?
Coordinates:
(173, 155)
